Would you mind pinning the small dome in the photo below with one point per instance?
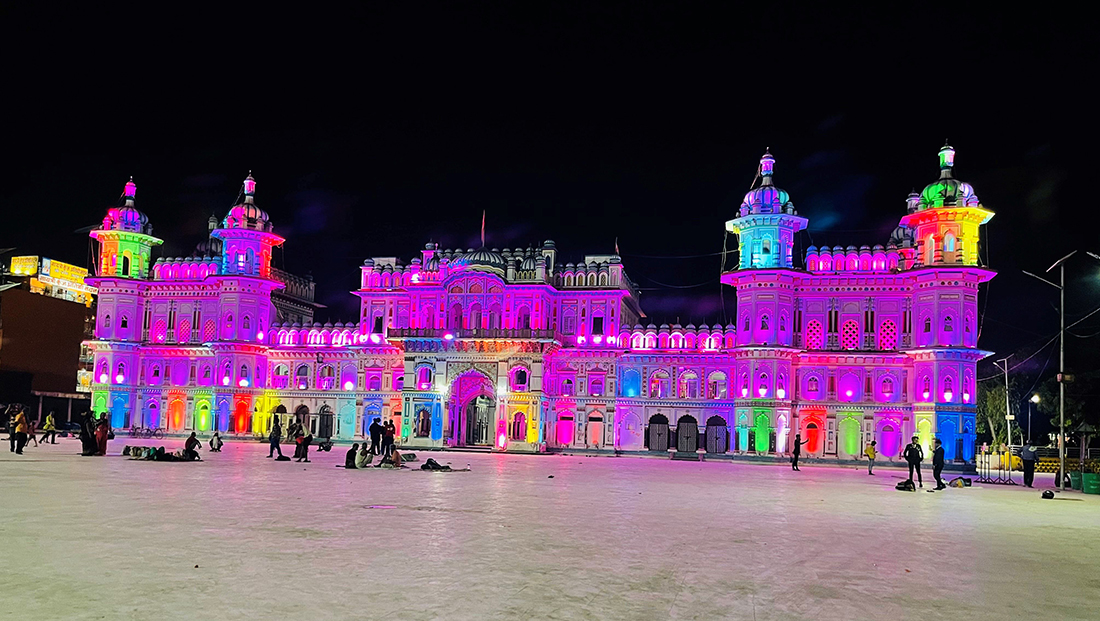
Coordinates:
(767, 198)
(947, 191)
(528, 264)
(247, 215)
(902, 237)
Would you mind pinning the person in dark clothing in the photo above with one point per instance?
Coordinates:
(102, 431)
(87, 435)
(11, 427)
(914, 455)
(191, 448)
(304, 448)
(376, 437)
(349, 459)
(273, 438)
(797, 451)
(389, 432)
(937, 464)
(1027, 454)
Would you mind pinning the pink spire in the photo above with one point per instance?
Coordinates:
(249, 188)
(131, 189)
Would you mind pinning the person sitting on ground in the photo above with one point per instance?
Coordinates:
(349, 458)
(364, 457)
(391, 459)
(215, 443)
(190, 448)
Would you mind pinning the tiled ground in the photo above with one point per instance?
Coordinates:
(242, 537)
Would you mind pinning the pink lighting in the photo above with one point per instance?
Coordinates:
(348, 385)
(848, 393)
(131, 189)
(249, 185)
(374, 338)
(259, 336)
(502, 441)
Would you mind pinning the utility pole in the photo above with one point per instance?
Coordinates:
(1061, 286)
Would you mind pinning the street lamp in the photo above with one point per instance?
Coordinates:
(1061, 287)
(1033, 400)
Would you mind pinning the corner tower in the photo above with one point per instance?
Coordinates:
(125, 239)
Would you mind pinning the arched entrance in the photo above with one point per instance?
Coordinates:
(717, 435)
(202, 416)
(323, 426)
(240, 416)
(473, 405)
(175, 415)
(849, 437)
(564, 431)
(301, 414)
(812, 438)
(152, 415)
(687, 434)
(889, 438)
(762, 432)
(656, 436)
(595, 431)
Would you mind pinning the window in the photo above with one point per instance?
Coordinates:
(123, 322)
(519, 427)
(763, 322)
(156, 372)
(424, 378)
(716, 385)
(813, 385)
(328, 377)
(106, 321)
(301, 377)
(281, 376)
(815, 335)
(377, 326)
(567, 387)
(949, 243)
(244, 375)
(887, 387)
(930, 250)
(519, 380)
(597, 325)
(747, 325)
(927, 324)
(782, 323)
(927, 387)
(569, 323)
(689, 385)
(246, 324)
(423, 424)
(374, 381)
(849, 335)
(206, 373)
(887, 335)
(595, 386)
(659, 385)
(948, 324)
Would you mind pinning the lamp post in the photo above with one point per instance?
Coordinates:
(1061, 287)
(1033, 400)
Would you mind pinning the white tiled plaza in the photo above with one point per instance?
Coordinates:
(239, 536)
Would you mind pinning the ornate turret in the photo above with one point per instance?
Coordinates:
(125, 238)
(247, 236)
(767, 223)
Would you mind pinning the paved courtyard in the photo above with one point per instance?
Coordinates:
(242, 537)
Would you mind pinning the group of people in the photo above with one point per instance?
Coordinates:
(302, 439)
(362, 457)
(913, 455)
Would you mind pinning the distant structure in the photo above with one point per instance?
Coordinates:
(516, 350)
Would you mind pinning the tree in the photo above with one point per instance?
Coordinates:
(1082, 400)
(991, 410)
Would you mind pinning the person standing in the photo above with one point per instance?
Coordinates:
(101, 433)
(49, 429)
(871, 453)
(11, 427)
(376, 437)
(389, 434)
(1027, 454)
(87, 434)
(32, 432)
(304, 446)
(273, 438)
(20, 428)
(914, 455)
(798, 442)
(937, 464)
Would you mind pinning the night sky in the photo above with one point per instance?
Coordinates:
(373, 131)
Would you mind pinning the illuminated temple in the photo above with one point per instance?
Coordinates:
(517, 350)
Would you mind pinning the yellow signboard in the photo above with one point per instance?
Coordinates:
(63, 271)
(24, 266)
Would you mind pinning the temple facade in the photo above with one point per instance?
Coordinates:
(517, 350)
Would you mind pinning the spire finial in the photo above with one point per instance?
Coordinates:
(767, 165)
(130, 191)
(947, 157)
(249, 187)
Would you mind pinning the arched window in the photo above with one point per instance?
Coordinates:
(423, 424)
(782, 323)
(596, 386)
(281, 376)
(849, 335)
(519, 380)
(301, 377)
(523, 318)
(948, 324)
(423, 378)
(747, 325)
(374, 381)
(689, 385)
(927, 387)
(659, 385)
(123, 322)
(949, 242)
(887, 335)
(246, 324)
(927, 324)
(244, 375)
(120, 376)
(812, 385)
(328, 377)
(815, 335)
(518, 430)
(929, 250)
(567, 387)
(762, 385)
(763, 322)
(887, 387)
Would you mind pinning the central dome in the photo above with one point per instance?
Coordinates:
(483, 259)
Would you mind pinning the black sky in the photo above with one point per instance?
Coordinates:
(373, 130)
